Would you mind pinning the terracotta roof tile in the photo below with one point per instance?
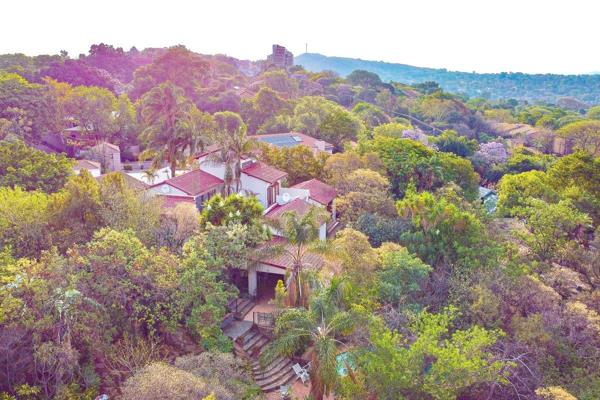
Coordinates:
(319, 191)
(285, 261)
(299, 206)
(194, 182)
(264, 172)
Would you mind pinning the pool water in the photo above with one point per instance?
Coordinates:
(341, 360)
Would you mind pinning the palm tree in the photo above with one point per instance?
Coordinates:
(302, 234)
(150, 175)
(319, 326)
(234, 143)
(163, 111)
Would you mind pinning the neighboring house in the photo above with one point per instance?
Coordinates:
(157, 176)
(195, 186)
(299, 206)
(108, 154)
(257, 178)
(93, 167)
(130, 181)
(292, 139)
(265, 273)
(320, 194)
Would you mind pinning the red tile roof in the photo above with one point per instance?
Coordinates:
(173, 201)
(283, 260)
(86, 164)
(299, 206)
(264, 172)
(319, 191)
(194, 183)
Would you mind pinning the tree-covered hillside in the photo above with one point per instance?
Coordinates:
(530, 87)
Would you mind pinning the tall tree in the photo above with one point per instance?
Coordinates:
(234, 144)
(164, 110)
(302, 234)
(320, 325)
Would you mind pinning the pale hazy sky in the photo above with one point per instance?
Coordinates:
(467, 35)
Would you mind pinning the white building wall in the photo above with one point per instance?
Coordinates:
(257, 186)
(323, 232)
(214, 169)
(294, 193)
(166, 190)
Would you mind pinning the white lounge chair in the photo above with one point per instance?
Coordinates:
(301, 373)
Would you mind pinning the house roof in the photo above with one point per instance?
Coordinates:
(105, 145)
(86, 164)
(172, 201)
(285, 261)
(319, 191)
(132, 182)
(194, 183)
(264, 172)
(298, 206)
(291, 139)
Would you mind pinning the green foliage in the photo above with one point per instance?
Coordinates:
(408, 161)
(514, 191)
(392, 129)
(450, 142)
(177, 65)
(319, 325)
(401, 277)
(326, 120)
(31, 169)
(234, 208)
(443, 233)
(371, 115)
(24, 222)
(434, 363)
(167, 134)
(584, 135)
(551, 226)
(523, 161)
(381, 229)
(203, 296)
(363, 78)
(300, 162)
(260, 111)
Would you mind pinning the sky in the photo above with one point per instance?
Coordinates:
(533, 36)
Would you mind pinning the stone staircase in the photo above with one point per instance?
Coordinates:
(271, 376)
(241, 306)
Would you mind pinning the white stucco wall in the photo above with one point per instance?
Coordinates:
(217, 170)
(256, 186)
(166, 189)
(323, 232)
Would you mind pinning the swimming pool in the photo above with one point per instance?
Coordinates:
(341, 360)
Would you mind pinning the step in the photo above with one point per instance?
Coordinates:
(247, 336)
(256, 350)
(251, 341)
(246, 308)
(276, 376)
(288, 378)
(256, 367)
(272, 368)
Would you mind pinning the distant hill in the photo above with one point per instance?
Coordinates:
(530, 87)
